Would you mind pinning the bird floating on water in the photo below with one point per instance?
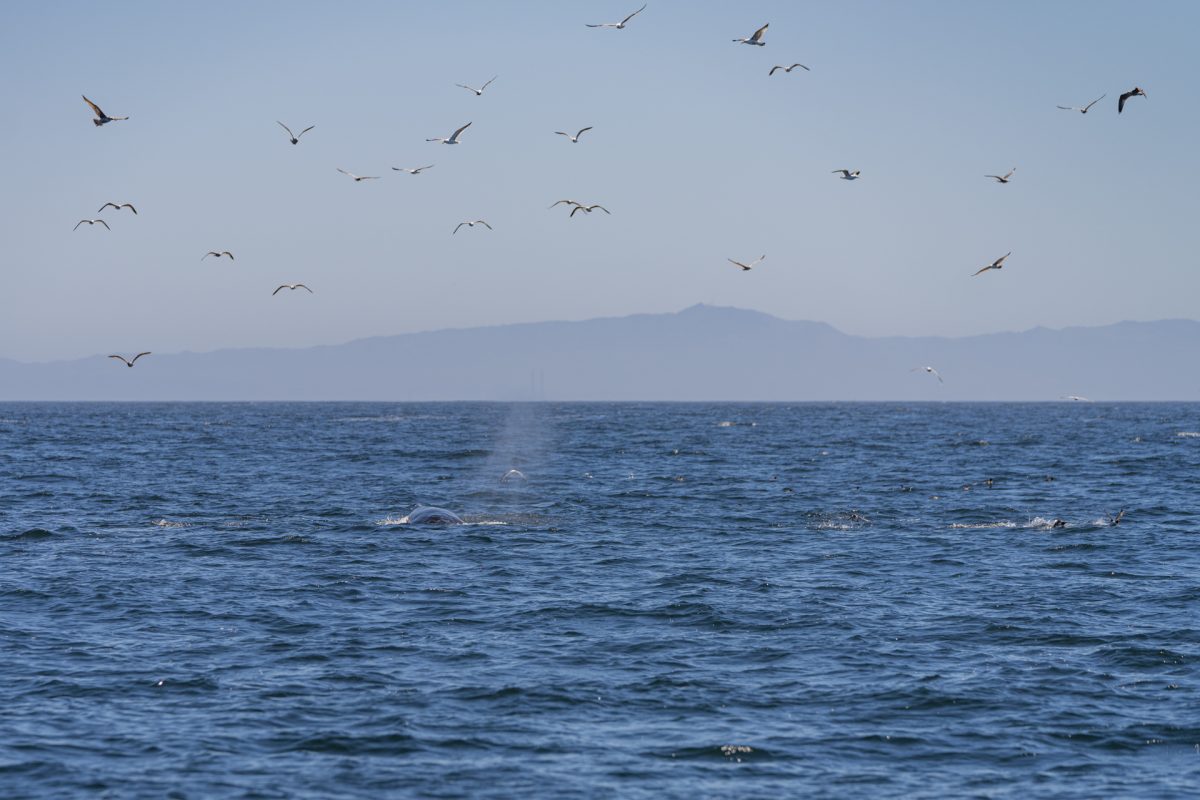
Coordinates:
(848, 175)
(997, 264)
(129, 362)
(618, 25)
(787, 69)
(217, 254)
(358, 178)
(101, 117)
(292, 137)
(756, 38)
(747, 267)
(588, 209)
(1134, 92)
(413, 170)
(929, 370)
(471, 224)
(118, 206)
(1084, 109)
(90, 222)
(1002, 178)
(293, 287)
(1116, 520)
(478, 91)
(574, 138)
(453, 137)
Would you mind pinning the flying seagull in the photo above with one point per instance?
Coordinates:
(90, 222)
(478, 91)
(471, 224)
(101, 117)
(787, 69)
(129, 362)
(588, 209)
(619, 25)
(756, 38)
(848, 175)
(215, 254)
(118, 206)
(1075, 398)
(997, 264)
(414, 170)
(293, 137)
(568, 202)
(292, 286)
(358, 178)
(930, 370)
(1134, 92)
(747, 267)
(453, 137)
(574, 138)
(1084, 110)
(1002, 178)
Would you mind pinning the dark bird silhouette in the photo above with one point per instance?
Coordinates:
(588, 209)
(217, 255)
(292, 137)
(1134, 92)
(1002, 178)
(293, 287)
(747, 267)
(787, 69)
(848, 175)
(997, 264)
(574, 138)
(129, 362)
(118, 207)
(471, 224)
(90, 222)
(101, 117)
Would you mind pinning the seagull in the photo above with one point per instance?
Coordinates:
(1117, 519)
(130, 362)
(358, 178)
(1075, 398)
(478, 91)
(413, 171)
(118, 207)
(215, 254)
(1002, 178)
(619, 25)
(1134, 92)
(747, 267)
(1084, 110)
(588, 209)
(930, 370)
(453, 137)
(568, 202)
(574, 138)
(90, 222)
(787, 69)
(292, 286)
(471, 224)
(756, 38)
(101, 117)
(848, 175)
(997, 264)
(293, 137)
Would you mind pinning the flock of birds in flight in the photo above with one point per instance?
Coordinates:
(756, 39)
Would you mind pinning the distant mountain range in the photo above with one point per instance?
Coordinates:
(701, 353)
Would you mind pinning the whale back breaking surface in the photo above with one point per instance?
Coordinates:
(432, 515)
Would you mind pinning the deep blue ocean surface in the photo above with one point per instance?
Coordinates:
(220, 600)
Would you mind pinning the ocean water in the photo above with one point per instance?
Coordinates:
(221, 600)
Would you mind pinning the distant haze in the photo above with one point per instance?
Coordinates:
(700, 353)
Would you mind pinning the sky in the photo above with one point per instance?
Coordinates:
(698, 154)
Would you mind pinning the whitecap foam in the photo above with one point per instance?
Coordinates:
(1189, 434)
(167, 523)
(983, 525)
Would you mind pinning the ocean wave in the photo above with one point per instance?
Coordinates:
(168, 523)
(1189, 434)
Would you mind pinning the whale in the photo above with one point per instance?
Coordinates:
(432, 515)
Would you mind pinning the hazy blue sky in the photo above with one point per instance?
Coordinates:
(698, 154)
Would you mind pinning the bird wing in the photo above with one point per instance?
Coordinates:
(573, 210)
(738, 263)
(938, 374)
(581, 130)
(77, 224)
(985, 269)
(286, 128)
(634, 14)
(602, 208)
(758, 33)
(1121, 101)
(801, 66)
(227, 253)
(139, 355)
(106, 205)
(306, 130)
(997, 177)
(1068, 108)
(464, 86)
(773, 69)
(129, 206)
(305, 288)
(1010, 173)
(122, 359)
(95, 107)
(351, 174)
(489, 83)
(1000, 260)
(456, 227)
(102, 222)
(1097, 100)
(454, 136)
(560, 202)
(284, 286)
(563, 133)
(484, 224)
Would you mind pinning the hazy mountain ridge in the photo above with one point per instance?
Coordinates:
(700, 353)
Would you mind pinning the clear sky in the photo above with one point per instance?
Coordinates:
(699, 155)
